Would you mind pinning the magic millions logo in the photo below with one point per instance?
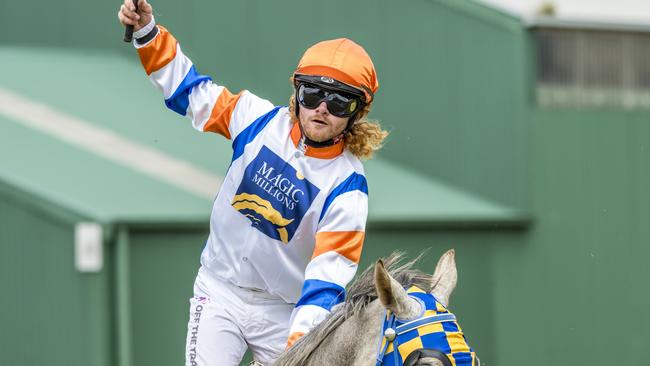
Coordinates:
(274, 196)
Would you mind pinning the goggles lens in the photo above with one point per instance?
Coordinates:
(338, 104)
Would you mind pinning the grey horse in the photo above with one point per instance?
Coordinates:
(352, 332)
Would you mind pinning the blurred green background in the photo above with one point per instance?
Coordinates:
(535, 176)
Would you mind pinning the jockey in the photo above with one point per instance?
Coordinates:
(288, 223)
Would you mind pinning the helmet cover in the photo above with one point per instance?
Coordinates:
(342, 60)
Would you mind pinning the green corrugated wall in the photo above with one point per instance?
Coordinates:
(163, 265)
(49, 313)
(575, 291)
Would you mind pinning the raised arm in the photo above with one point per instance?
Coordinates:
(211, 107)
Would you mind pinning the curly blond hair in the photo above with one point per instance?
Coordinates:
(363, 139)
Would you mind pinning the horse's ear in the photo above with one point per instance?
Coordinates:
(393, 296)
(383, 285)
(444, 277)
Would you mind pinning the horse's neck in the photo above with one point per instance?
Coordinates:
(354, 342)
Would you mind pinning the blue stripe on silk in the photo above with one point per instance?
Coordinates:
(355, 182)
(180, 100)
(321, 293)
(249, 134)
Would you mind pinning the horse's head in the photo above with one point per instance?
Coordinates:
(415, 329)
(396, 299)
(382, 323)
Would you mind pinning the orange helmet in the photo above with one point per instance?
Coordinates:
(343, 60)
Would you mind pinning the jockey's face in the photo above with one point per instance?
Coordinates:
(319, 125)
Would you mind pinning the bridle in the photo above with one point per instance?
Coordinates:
(417, 338)
(393, 334)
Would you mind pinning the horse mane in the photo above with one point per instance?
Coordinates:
(361, 293)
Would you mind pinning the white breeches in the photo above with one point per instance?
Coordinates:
(226, 319)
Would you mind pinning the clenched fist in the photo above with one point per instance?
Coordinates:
(138, 19)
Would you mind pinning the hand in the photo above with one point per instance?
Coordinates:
(128, 16)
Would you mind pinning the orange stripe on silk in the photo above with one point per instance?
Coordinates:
(159, 52)
(221, 113)
(293, 338)
(345, 243)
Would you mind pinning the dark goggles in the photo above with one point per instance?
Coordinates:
(338, 103)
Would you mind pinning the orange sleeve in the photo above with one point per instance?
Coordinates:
(222, 113)
(294, 337)
(345, 243)
(159, 52)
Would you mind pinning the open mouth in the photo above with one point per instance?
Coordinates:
(319, 122)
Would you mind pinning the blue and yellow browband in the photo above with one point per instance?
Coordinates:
(436, 329)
